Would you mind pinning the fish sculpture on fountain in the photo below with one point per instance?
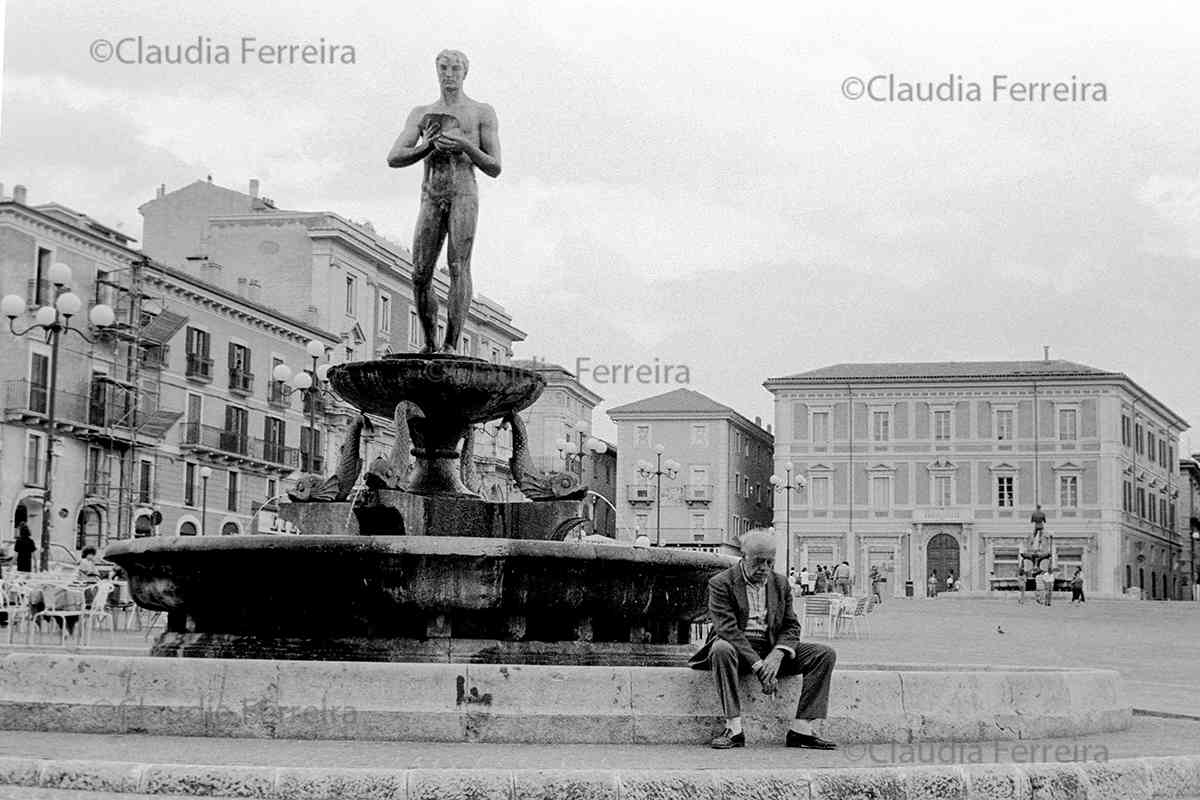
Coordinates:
(337, 487)
(533, 483)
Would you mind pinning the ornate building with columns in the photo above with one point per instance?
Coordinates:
(921, 467)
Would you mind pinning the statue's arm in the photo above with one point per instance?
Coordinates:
(487, 155)
(408, 149)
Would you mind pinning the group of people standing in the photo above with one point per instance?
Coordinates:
(823, 580)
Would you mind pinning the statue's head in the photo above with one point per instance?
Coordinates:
(452, 67)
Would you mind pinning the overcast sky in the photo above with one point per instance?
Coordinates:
(689, 183)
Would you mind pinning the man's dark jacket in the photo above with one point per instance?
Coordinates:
(728, 611)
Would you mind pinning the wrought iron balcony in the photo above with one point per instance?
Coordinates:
(241, 381)
(199, 367)
(88, 415)
(234, 446)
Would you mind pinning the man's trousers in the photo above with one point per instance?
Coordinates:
(813, 661)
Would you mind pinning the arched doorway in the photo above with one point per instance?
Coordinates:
(187, 528)
(89, 527)
(941, 554)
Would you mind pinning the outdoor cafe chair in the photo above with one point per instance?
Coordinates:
(818, 608)
(97, 611)
(854, 617)
(14, 601)
(50, 610)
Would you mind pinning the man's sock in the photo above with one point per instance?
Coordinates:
(734, 725)
(802, 727)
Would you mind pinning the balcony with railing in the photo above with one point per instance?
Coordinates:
(89, 415)
(697, 493)
(241, 381)
(199, 367)
(639, 494)
(236, 447)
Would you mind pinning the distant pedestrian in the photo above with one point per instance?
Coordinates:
(1021, 581)
(951, 584)
(805, 585)
(841, 578)
(25, 547)
(932, 587)
(1077, 586)
(822, 584)
(1045, 581)
(876, 579)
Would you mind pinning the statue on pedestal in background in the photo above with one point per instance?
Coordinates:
(453, 136)
(1039, 524)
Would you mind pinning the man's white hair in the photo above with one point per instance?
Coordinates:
(760, 537)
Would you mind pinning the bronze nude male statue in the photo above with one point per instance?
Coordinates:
(453, 136)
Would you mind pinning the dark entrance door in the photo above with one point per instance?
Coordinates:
(942, 555)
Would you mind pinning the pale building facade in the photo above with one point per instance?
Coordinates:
(180, 383)
(723, 484)
(332, 273)
(557, 415)
(921, 467)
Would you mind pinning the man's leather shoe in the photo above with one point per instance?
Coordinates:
(812, 742)
(729, 739)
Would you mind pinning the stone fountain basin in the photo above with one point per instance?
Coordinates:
(469, 389)
(417, 587)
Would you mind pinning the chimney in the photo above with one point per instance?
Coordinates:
(211, 272)
(241, 286)
(162, 191)
(19, 194)
(758, 421)
(254, 187)
(768, 427)
(1046, 353)
(254, 290)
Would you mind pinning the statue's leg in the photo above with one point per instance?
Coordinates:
(463, 215)
(427, 243)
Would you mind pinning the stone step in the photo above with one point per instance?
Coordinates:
(535, 703)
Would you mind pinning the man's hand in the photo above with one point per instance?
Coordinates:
(768, 673)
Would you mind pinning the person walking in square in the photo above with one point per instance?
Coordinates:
(1077, 586)
(755, 630)
(932, 590)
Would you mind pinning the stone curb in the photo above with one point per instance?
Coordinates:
(1122, 779)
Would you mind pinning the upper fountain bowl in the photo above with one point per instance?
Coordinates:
(477, 391)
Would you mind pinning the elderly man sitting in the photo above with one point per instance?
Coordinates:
(754, 629)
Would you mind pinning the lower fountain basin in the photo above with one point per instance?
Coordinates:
(362, 597)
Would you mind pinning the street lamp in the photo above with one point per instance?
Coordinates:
(54, 320)
(646, 470)
(311, 381)
(575, 449)
(205, 474)
(787, 486)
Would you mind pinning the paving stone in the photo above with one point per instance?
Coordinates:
(997, 782)
(565, 785)
(760, 784)
(882, 783)
(199, 780)
(1118, 780)
(339, 784)
(20, 771)
(459, 784)
(96, 776)
(667, 785)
